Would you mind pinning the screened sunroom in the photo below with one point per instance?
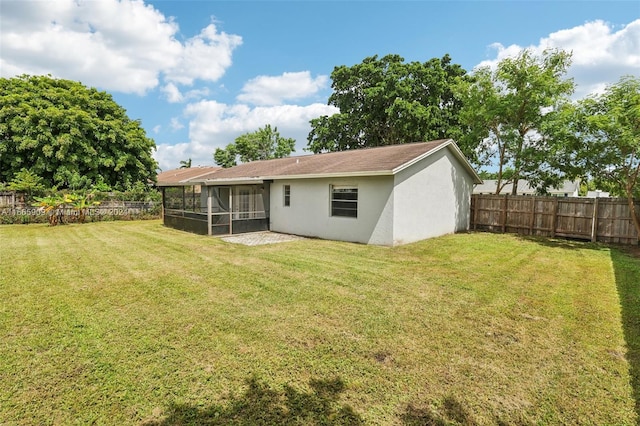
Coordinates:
(217, 210)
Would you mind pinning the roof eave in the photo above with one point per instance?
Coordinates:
(449, 143)
(260, 179)
(188, 181)
(233, 181)
(179, 183)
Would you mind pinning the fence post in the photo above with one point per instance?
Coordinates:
(504, 214)
(594, 225)
(533, 215)
(474, 203)
(554, 218)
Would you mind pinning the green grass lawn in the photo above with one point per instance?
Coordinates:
(134, 323)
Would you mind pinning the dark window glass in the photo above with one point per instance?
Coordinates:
(344, 201)
(287, 195)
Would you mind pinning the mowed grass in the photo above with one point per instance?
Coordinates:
(135, 323)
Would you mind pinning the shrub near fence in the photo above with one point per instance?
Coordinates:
(106, 211)
(606, 220)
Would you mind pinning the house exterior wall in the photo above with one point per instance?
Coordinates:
(309, 213)
(431, 198)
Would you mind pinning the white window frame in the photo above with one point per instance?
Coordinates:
(343, 189)
(286, 195)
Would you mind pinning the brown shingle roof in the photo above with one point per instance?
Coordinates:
(180, 176)
(368, 161)
(378, 159)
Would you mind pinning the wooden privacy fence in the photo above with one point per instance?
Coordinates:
(9, 199)
(606, 220)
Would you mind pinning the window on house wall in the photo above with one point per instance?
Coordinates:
(344, 201)
(287, 195)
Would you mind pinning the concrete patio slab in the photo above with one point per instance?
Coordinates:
(260, 238)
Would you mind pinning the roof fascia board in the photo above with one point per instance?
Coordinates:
(421, 157)
(179, 183)
(187, 182)
(232, 181)
(305, 176)
(454, 149)
(465, 162)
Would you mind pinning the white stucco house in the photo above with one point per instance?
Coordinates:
(387, 195)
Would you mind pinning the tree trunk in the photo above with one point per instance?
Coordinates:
(514, 179)
(633, 213)
(518, 162)
(501, 160)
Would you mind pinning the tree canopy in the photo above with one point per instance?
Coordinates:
(603, 140)
(386, 101)
(507, 112)
(70, 135)
(263, 144)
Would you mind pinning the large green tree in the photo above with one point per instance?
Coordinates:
(263, 144)
(67, 133)
(603, 140)
(386, 101)
(507, 111)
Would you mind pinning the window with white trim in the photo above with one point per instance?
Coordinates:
(286, 190)
(344, 201)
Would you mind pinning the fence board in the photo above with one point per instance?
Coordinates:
(605, 220)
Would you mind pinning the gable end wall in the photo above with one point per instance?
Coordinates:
(431, 198)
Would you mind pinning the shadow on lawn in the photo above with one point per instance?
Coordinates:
(452, 413)
(626, 264)
(262, 405)
(565, 243)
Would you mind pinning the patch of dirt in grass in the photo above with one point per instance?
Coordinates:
(616, 354)
(501, 338)
(383, 357)
(532, 317)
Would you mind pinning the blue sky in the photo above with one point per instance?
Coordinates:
(199, 73)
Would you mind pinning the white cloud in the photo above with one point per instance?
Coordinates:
(173, 93)
(156, 129)
(196, 93)
(196, 56)
(214, 125)
(601, 53)
(176, 124)
(213, 122)
(169, 156)
(274, 90)
(123, 46)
